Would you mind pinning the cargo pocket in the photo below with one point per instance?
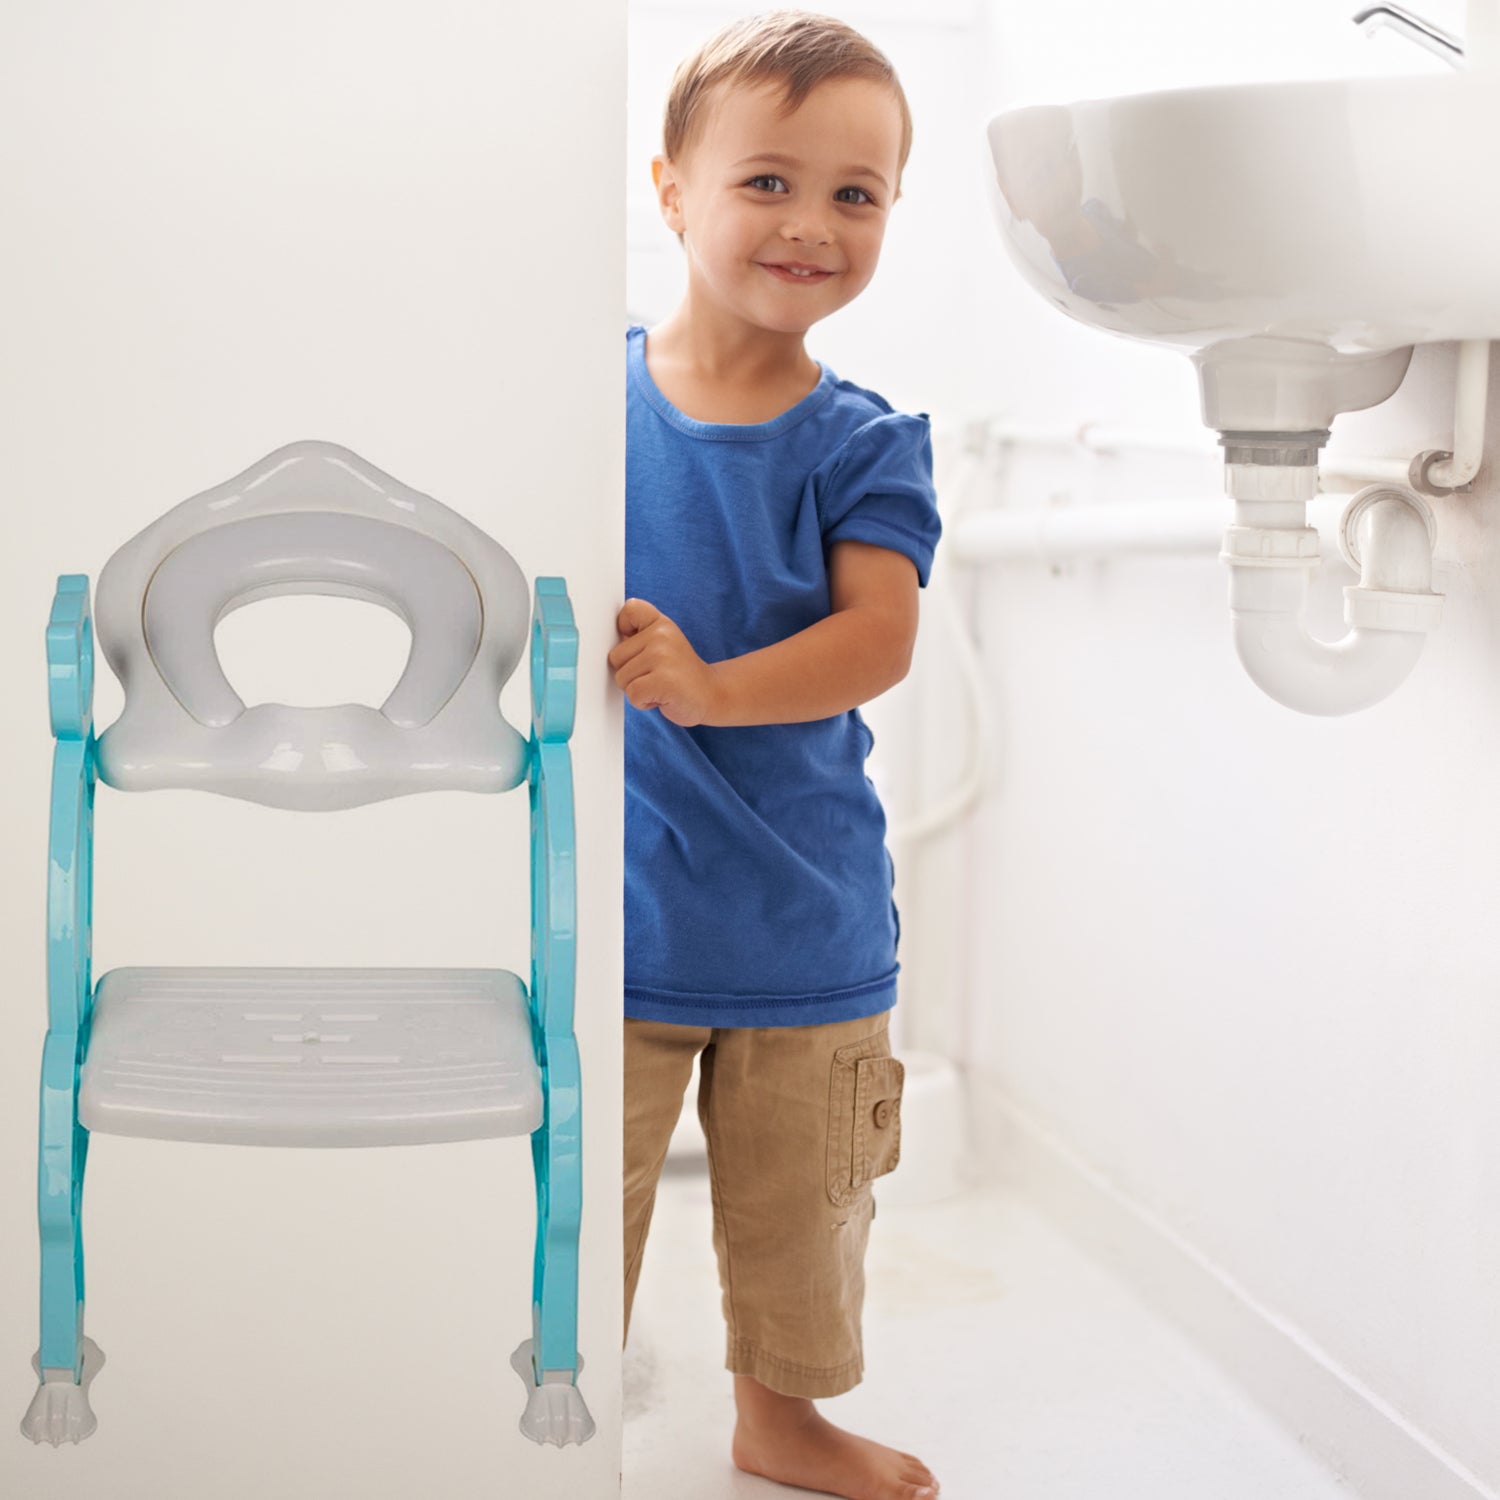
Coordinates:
(864, 1126)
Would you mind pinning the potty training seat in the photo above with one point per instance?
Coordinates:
(311, 1057)
(312, 518)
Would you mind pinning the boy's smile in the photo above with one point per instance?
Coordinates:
(783, 217)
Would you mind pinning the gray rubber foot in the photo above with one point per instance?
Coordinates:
(60, 1411)
(555, 1411)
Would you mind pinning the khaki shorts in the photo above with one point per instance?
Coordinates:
(799, 1120)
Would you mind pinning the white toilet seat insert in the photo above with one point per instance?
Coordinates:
(312, 552)
(312, 518)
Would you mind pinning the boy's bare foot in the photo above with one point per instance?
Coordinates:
(785, 1438)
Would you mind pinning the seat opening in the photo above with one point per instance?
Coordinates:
(312, 650)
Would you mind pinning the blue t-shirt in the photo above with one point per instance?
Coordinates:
(757, 881)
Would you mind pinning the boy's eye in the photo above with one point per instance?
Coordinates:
(858, 202)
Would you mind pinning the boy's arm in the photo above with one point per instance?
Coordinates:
(862, 648)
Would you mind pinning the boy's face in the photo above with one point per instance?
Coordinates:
(824, 204)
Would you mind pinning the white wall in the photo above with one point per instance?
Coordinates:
(1232, 962)
(1231, 959)
(228, 228)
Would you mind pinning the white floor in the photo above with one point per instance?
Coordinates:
(995, 1350)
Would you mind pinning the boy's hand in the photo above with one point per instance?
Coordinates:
(659, 669)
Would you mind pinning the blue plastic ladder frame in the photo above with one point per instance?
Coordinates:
(63, 1143)
(556, 1144)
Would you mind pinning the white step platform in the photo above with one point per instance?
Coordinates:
(310, 1057)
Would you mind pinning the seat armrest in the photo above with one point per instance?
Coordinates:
(70, 659)
(554, 662)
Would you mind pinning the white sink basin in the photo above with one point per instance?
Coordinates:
(1352, 216)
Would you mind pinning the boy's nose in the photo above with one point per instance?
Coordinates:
(810, 234)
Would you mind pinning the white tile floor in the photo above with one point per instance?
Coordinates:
(995, 1350)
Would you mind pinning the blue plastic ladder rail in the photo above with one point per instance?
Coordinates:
(64, 1143)
(556, 1147)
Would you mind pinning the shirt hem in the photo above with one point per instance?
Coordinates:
(876, 531)
(643, 1003)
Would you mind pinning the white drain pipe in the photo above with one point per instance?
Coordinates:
(1387, 532)
(1064, 533)
(1455, 470)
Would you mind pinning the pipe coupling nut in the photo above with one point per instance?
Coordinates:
(1270, 546)
(1383, 609)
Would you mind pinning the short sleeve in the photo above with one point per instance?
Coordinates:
(878, 488)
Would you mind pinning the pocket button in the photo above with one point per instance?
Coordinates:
(883, 1113)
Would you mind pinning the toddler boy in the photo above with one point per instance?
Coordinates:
(779, 521)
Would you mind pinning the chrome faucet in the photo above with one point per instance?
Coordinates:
(1422, 32)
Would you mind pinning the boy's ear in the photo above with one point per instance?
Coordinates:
(668, 192)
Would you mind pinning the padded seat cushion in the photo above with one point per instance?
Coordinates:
(310, 1057)
(312, 518)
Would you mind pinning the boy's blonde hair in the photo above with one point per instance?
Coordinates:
(796, 48)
